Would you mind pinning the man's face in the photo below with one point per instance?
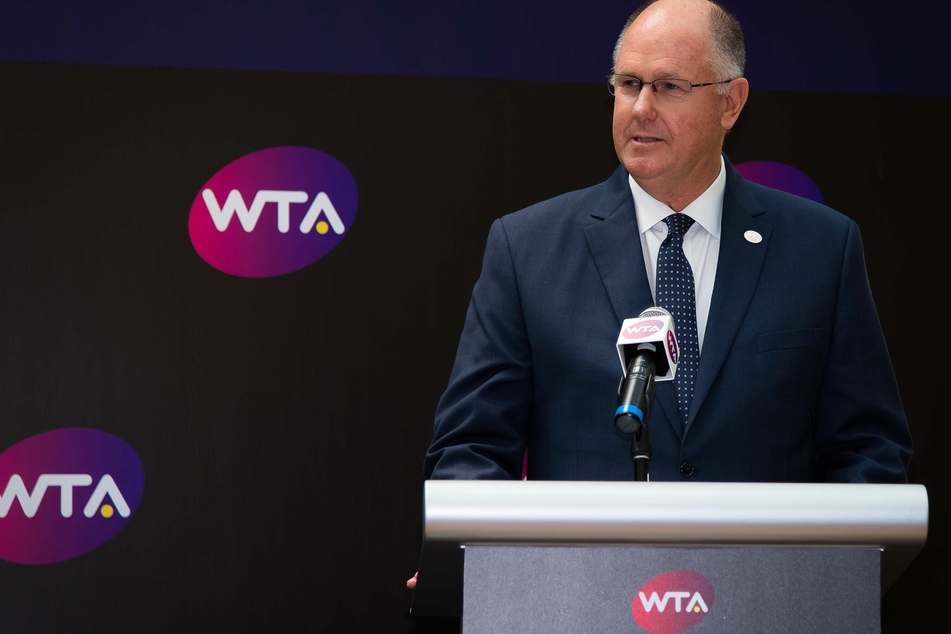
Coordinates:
(671, 149)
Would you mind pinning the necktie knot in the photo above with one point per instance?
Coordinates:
(678, 223)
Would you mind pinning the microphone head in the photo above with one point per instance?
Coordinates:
(653, 329)
(657, 311)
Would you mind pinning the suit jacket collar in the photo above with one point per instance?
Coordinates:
(744, 242)
(614, 241)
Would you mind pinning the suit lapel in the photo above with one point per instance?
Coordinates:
(738, 269)
(615, 245)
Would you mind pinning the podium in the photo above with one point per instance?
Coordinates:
(605, 557)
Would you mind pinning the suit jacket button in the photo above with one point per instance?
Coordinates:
(686, 469)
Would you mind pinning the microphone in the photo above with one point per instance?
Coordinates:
(647, 348)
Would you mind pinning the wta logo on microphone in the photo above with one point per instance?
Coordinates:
(642, 328)
(273, 212)
(66, 492)
(672, 602)
(672, 347)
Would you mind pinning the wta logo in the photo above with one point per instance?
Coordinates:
(780, 176)
(66, 492)
(672, 602)
(273, 212)
(643, 328)
(672, 346)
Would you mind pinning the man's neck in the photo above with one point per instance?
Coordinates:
(679, 194)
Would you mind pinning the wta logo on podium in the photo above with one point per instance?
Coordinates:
(66, 492)
(273, 212)
(672, 602)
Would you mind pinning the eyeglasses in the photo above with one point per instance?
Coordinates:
(667, 90)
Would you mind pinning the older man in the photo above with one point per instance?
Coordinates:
(793, 382)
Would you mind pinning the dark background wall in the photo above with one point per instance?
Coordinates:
(282, 421)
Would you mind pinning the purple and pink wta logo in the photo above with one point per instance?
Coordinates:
(780, 176)
(273, 212)
(643, 328)
(672, 602)
(64, 493)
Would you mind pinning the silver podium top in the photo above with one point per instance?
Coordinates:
(682, 513)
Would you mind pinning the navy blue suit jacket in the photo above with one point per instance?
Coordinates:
(795, 382)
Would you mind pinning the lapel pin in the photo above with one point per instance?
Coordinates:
(753, 237)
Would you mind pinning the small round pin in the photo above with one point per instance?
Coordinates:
(753, 237)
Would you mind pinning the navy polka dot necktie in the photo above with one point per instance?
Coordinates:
(676, 292)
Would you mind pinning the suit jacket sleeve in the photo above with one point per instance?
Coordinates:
(481, 420)
(862, 434)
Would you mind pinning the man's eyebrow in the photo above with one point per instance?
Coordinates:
(668, 74)
(665, 74)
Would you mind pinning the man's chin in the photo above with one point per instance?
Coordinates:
(642, 168)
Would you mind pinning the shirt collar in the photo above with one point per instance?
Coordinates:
(706, 210)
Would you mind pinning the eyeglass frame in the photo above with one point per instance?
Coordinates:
(612, 87)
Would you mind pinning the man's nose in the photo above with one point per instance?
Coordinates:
(645, 102)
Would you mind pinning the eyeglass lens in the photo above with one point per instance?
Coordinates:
(666, 89)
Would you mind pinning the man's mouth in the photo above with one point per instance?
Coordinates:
(646, 139)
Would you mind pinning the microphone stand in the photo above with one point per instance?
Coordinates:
(635, 394)
(641, 453)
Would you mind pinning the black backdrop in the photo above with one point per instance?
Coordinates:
(282, 421)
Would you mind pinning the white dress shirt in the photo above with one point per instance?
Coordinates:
(701, 242)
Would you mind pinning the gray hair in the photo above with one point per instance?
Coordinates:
(727, 49)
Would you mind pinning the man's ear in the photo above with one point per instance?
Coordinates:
(735, 99)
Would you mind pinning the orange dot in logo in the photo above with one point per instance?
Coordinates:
(322, 227)
(106, 510)
(696, 608)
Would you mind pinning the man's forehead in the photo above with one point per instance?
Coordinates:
(664, 47)
(662, 56)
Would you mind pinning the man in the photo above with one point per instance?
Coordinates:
(794, 382)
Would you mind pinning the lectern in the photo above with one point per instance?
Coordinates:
(605, 557)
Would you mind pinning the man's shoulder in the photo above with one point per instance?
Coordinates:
(572, 207)
(782, 206)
